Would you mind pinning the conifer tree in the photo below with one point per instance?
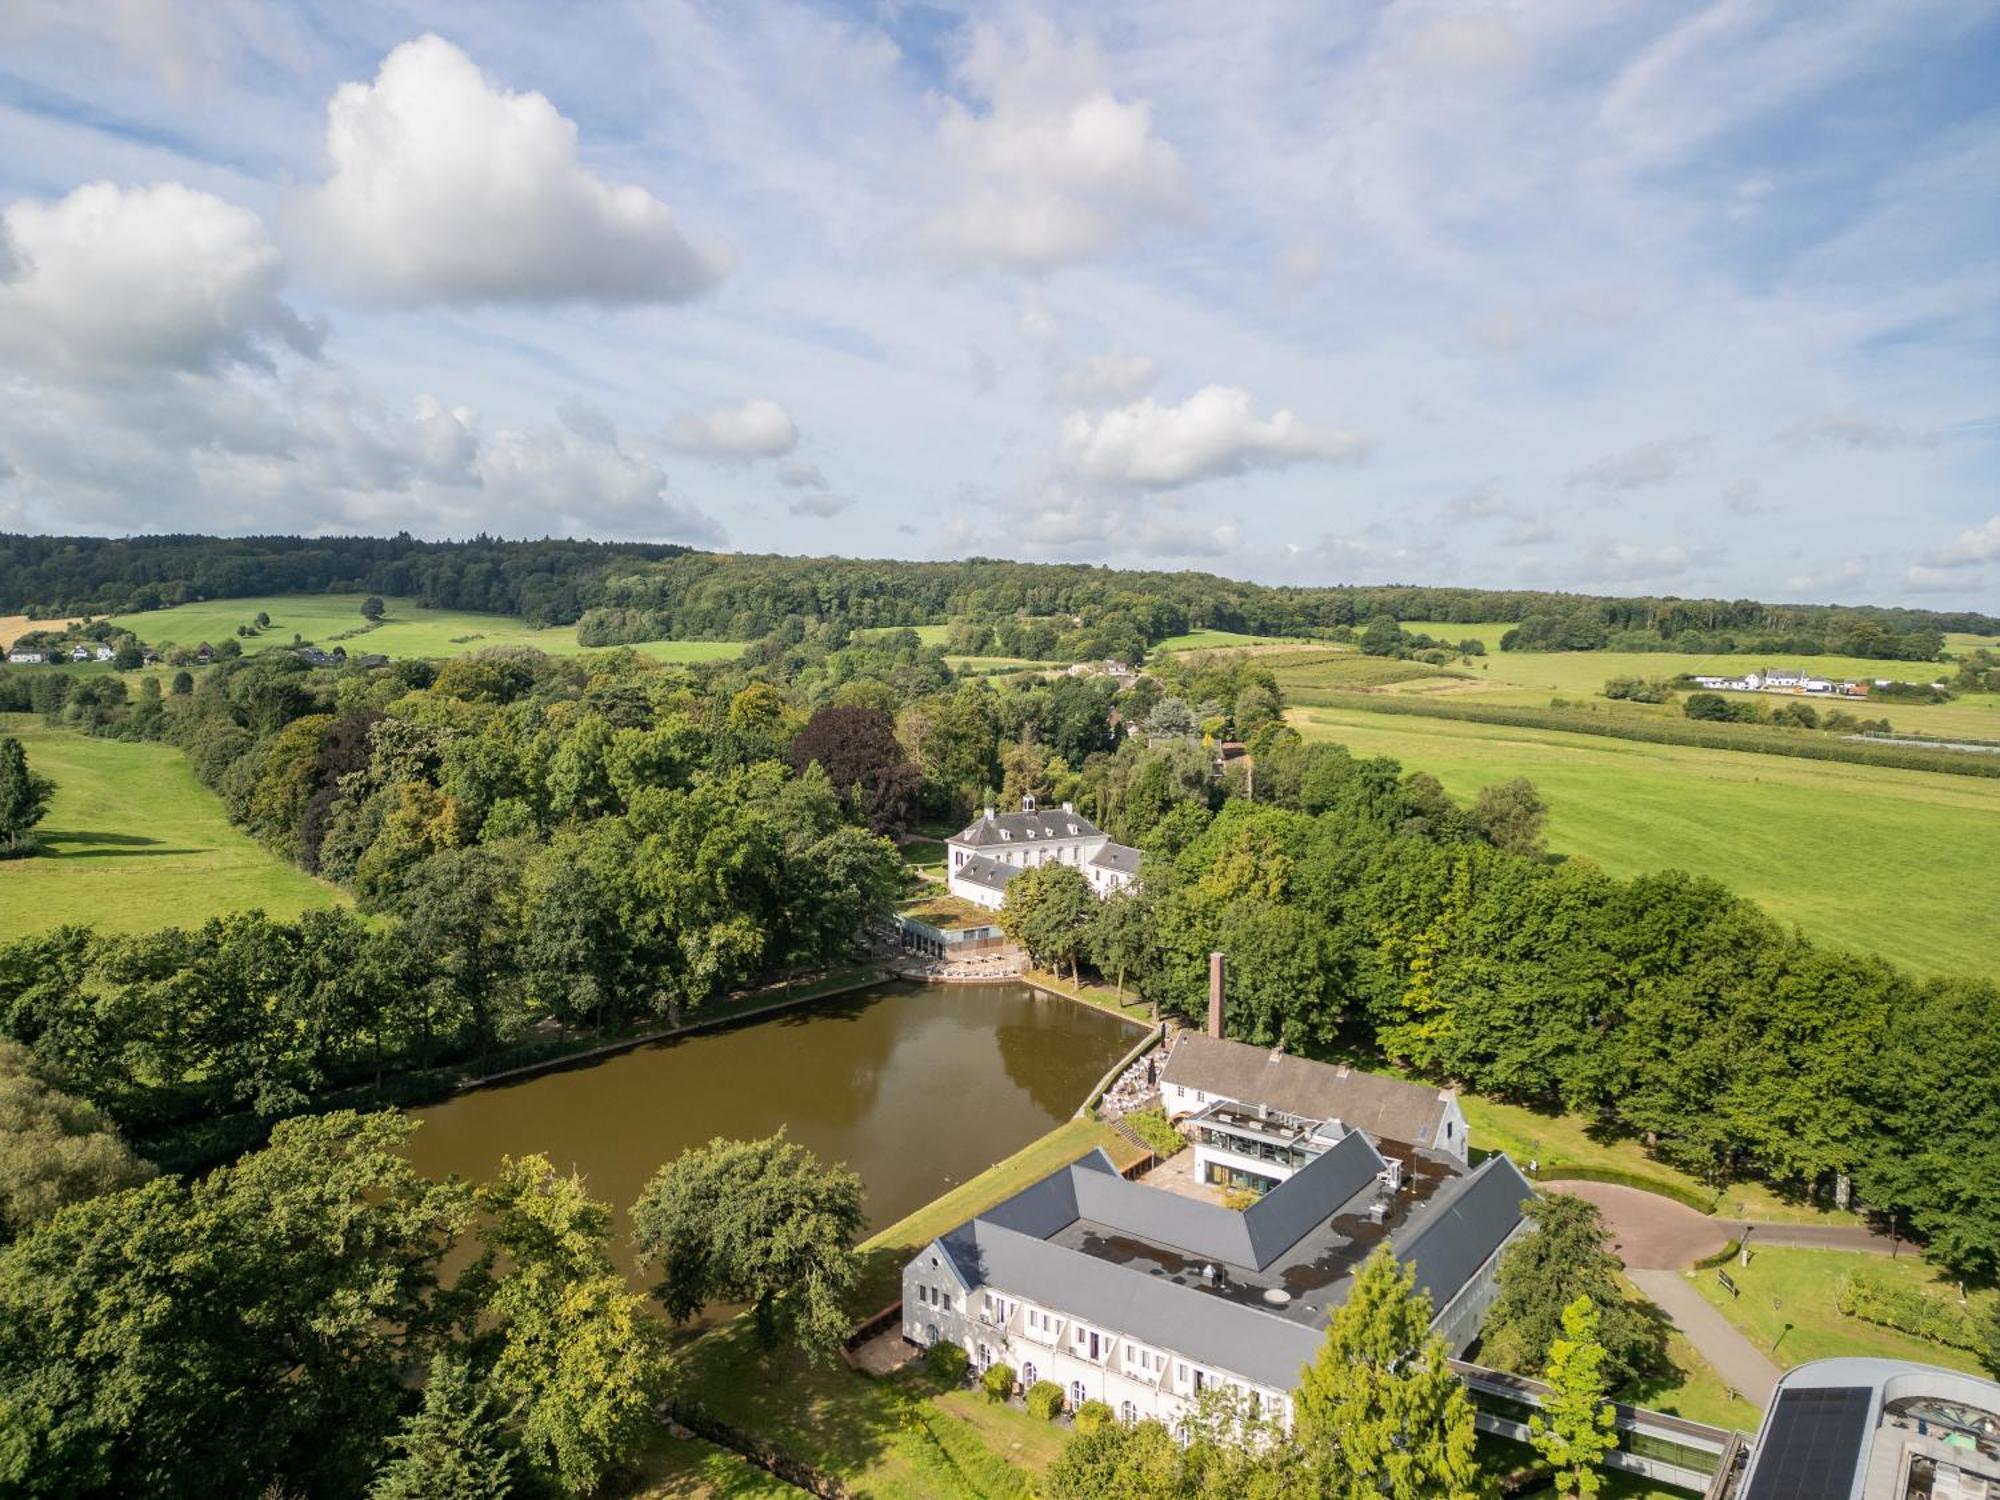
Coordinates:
(1577, 1430)
(24, 796)
(451, 1448)
(1379, 1406)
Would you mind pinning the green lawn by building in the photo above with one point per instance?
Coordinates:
(406, 630)
(133, 842)
(1790, 1299)
(1882, 860)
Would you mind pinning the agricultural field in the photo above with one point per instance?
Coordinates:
(132, 842)
(1531, 678)
(1307, 676)
(1887, 861)
(1221, 640)
(13, 627)
(406, 630)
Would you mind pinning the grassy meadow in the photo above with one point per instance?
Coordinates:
(1893, 862)
(1220, 640)
(132, 842)
(406, 630)
(1790, 1298)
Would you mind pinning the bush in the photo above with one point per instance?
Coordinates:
(1638, 689)
(1876, 1299)
(1093, 1417)
(946, 1361)
(1716, 709)
(1159, 1133)
(1239, 1200)
(1045, 1400)
(997, 1382)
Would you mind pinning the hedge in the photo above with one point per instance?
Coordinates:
(1721, 1257)
(1875, 1299)
(1698, 1202)
(1045, 1400)
(1805, 744)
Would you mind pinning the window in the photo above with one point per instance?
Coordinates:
(1128, 1413)
(1028, 1372)
(1077, 1394)
(1180, 1374)
(1199, 1098)
(944, 1299)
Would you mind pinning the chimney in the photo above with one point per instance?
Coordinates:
(989, 815)
(1069, 807)
(1215, 995)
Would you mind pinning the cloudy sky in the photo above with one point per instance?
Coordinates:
(1610, 296)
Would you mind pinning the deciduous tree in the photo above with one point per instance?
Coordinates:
(1576, 1426)
(763, 1222)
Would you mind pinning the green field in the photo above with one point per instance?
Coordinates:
(1219, 640)
(1534, 677)
(132, 842)
(406, 630)
(1790, 1298)
(1893, 862)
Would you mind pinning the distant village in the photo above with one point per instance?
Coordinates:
(1794, 682)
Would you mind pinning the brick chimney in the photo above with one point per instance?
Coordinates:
(1215, 995)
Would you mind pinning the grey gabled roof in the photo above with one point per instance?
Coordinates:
(1463, 1225)
(1120, 858)
(1027, 827)
(1386, 1108)
(1241, 1340)
(990, 873)
(1092, 1189)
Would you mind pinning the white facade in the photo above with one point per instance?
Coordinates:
(1091, 1363)
(1030, 839)
(1179, 1101)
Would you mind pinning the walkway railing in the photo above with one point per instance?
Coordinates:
(1665, 1448)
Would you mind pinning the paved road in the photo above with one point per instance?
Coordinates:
(1744, 1367)
(1649, 1232)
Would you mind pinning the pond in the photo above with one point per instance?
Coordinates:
(915, 1087)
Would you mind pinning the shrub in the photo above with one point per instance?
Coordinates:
(1159, 1133)
(1045, 1400)
(1876, 1299)
(1093, 1417)
(997, 1382)
(1638, 689)
(1701, 1203)
(946, 1361)
(1717, 709)
(1238, 1200)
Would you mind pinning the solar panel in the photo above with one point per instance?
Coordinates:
(1812, 1445)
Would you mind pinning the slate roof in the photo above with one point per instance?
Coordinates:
(1027, 827)
(1121, 859)
(990, 873)
(1384, 1107)
(1132, 1259)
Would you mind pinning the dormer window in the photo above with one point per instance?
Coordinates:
(1006, 833)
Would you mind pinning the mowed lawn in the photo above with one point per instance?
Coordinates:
(1893, 862)
(132, 842)
(406, 630)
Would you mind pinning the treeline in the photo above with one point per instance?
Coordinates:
(625, 593)
(1817, 630)
(546, 582)
(1363, 909)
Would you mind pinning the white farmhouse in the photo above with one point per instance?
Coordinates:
(984, 857)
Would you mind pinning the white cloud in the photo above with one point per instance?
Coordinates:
(445, 187)
(819, 505)
(110, 279)
(584, 489)
(1922, 579)
(1972, 547)
(1057, 167)
(1214, 432)
(1107, 377)
(1853, 430)
(759, 428)
(1638, 467)
(1635, 563)
(796, 475)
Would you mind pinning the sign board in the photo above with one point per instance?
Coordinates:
(1728, 1285)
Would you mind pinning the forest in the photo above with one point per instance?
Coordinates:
(623, 593)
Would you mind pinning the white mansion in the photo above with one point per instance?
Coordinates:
(996, 848)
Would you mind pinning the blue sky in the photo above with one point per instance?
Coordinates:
(1619, 297)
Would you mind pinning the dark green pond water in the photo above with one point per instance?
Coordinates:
(916, 1087)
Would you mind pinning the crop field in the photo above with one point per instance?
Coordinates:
(132, 842)
(1532, 678)
(406, 630)
(1886, 861)
(1222, 640)
(1304, 676)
